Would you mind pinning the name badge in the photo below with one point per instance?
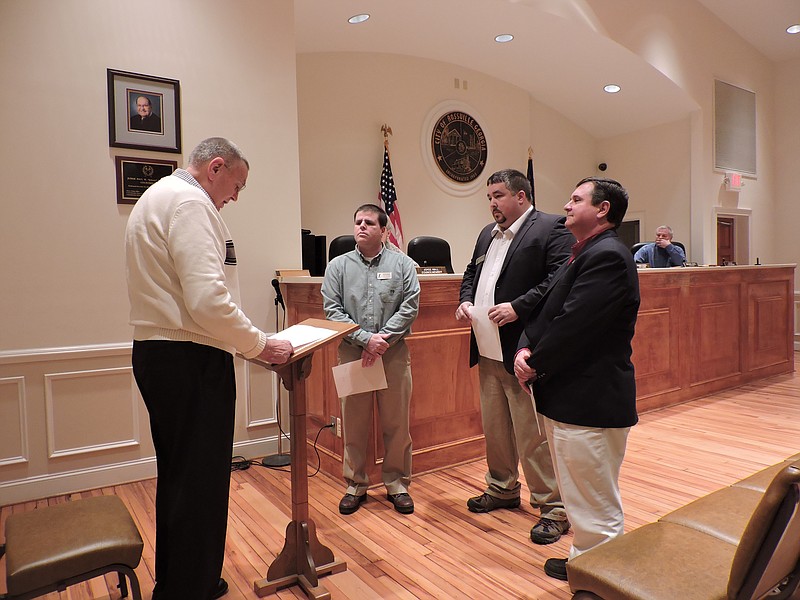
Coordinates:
(479, 260)
(385, 275)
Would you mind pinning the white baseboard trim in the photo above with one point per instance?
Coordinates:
(46, 486)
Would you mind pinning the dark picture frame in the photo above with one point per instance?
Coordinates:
(135, 175)
(158, 126)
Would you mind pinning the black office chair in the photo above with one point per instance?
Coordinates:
(340, 245)
(429, 251)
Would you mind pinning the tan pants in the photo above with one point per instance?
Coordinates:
(510, 429)
(393, 415)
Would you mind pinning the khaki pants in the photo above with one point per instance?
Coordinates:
(510, 429)
(393, 415)
(587, 462)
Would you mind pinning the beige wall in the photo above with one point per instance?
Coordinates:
(786, 215)
(61, 230)
(344, 98)
(654, 165)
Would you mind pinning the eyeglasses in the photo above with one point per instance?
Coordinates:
(239, 188)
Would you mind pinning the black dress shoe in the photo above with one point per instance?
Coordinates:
(402, 502)
(556, 568)
(222, 589)
(350, 503)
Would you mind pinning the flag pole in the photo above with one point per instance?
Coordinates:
(530, 176)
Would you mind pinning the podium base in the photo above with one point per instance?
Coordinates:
(277, 460)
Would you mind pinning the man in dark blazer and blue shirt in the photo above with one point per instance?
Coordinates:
(513, 259)
(576, 354)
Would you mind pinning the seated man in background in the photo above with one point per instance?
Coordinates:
(662, 252)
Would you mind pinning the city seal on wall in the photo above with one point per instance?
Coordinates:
(459, 146)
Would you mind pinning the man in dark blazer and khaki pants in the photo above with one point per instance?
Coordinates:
(512, 261)
(576, 354)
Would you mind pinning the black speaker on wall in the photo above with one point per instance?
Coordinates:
(314, 248)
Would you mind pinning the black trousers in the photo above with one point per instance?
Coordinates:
(190, 392)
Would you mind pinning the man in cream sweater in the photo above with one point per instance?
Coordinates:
(185, 309)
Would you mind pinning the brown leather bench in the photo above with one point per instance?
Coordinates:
(740, 542)
(49, 549)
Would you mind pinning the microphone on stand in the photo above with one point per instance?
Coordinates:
(280, 459)
(278, 295)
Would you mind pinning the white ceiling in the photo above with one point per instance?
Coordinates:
(562, 60)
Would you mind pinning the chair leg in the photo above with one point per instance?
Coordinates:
(135, 589)
(123, 584)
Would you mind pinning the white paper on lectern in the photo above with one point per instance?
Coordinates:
(351, 378)
(487, 334)
(300, 335)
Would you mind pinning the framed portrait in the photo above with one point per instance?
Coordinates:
(135, 175)
(144, 112)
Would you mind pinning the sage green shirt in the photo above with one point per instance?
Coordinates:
(379, 295)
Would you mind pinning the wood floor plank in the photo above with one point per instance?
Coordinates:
(674, 456)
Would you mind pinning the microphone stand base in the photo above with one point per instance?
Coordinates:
(277, 460)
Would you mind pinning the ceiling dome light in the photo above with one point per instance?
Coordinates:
(503, 38)
(612, 88)
(793, 29)
(355, 19)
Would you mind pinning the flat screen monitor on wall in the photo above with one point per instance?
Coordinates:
(734, 129)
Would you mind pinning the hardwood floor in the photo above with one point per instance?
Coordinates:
(674, 455)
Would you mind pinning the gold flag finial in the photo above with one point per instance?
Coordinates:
(387, 131)
(530, 152)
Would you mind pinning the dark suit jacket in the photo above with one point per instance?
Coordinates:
(151, 123)
(540, 246)
(580, 335)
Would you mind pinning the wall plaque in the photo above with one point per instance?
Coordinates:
(135, 175)
(459, 146)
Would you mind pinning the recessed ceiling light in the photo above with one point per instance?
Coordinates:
(355, 19)
(612, 88)
(793, 29)
(503, 38)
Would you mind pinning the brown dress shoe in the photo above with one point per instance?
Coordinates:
(486, 503)
(402, 503)
(350, 503)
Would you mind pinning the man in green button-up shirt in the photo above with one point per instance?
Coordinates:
(377, 288)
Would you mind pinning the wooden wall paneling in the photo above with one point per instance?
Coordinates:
(657, 345)
(768, 325)
(714, 351)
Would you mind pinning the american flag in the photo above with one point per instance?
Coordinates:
(388, 196)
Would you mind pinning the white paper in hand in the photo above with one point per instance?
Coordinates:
(351, 378)
(487, 334)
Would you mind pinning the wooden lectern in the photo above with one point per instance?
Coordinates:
(303, 559)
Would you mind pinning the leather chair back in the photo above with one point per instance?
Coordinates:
(341, 245)
(429, 251)
(769, 551)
